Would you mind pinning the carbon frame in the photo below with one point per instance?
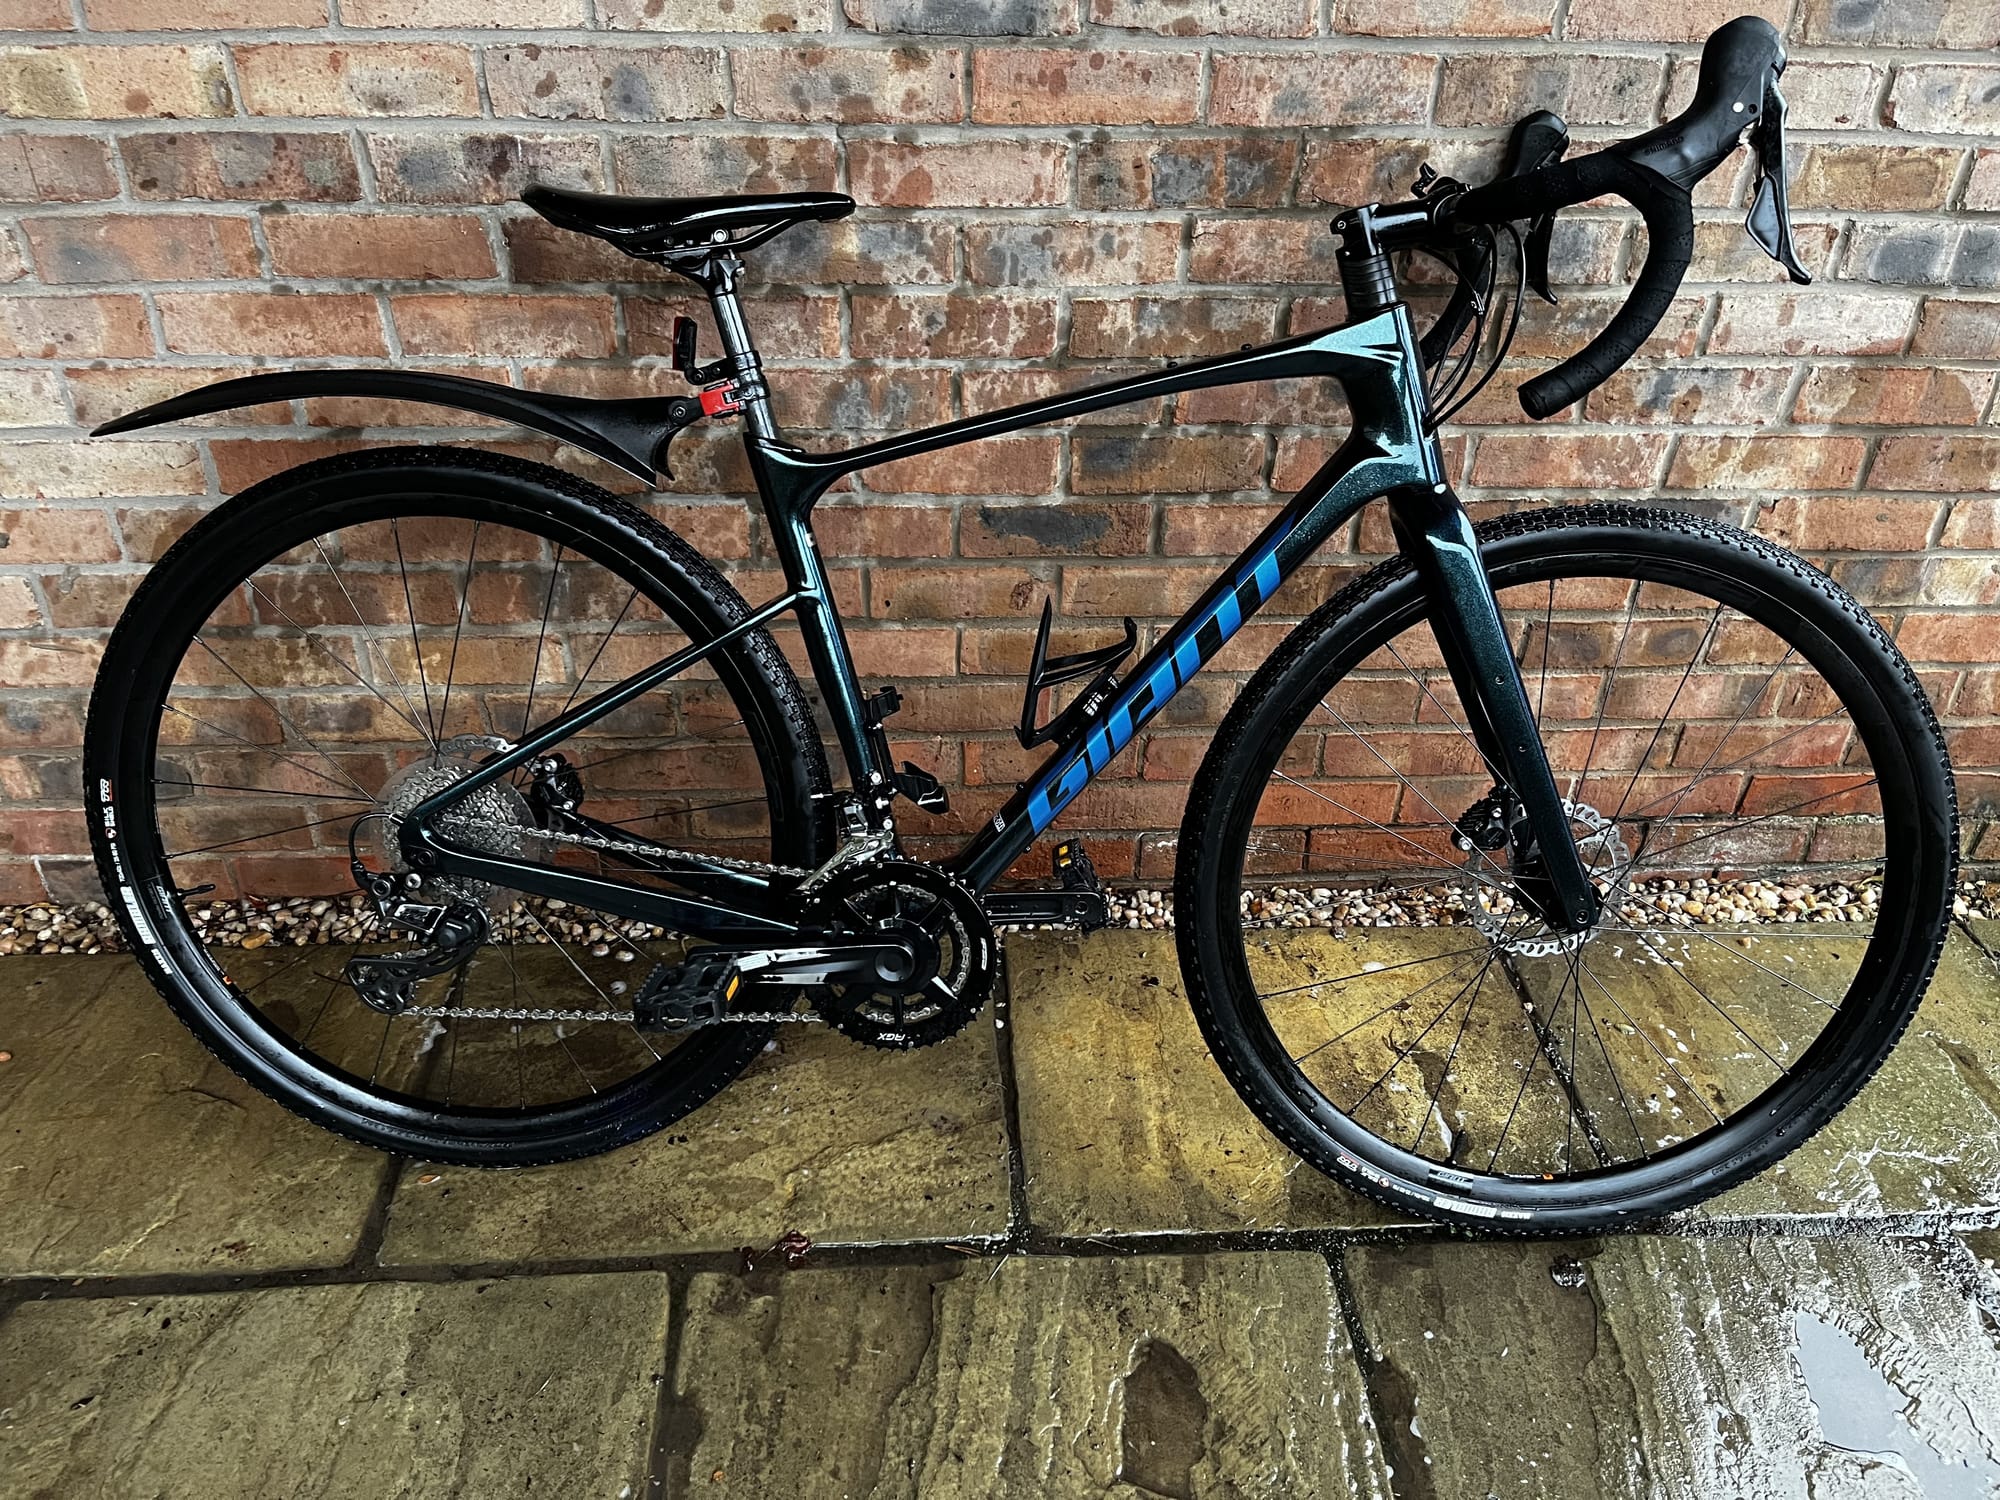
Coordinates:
(1388, 453)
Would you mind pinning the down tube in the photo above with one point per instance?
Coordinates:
(1359, 472)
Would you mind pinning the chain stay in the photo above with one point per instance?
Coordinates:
(619, 1017)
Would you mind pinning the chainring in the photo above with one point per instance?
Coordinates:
(886, 895)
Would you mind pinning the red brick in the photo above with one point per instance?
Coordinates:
(862, 399)
(996, 466)
(1563, 460)
(1781, 461)
(32, 398)
(36, 15)
(1927, 636)
(607, 83)
(1893, 395)
(1982, 188)
(992, 390)
(1815, 322)
(1683, 395)
(1558, 332)
(483, 168)
(202, 15)
(513, 14)
(1035, 86)
(866, 530)
(1212, 530)
(260, 323)
(1143, 590)
(1936, 463)
(1197, 18)
(906, 86)
(77, 82)
(1168, 327)
(1958, 330)
(1940, 99)
(979, 174)
(687, 166)
(73, 328)
(252, 165)
(952, 327)
(59, 535)
(55, 169)
(953, 593)
(1497, 88)
(715, 15)
(1242, 171)
(1876, 178)
(142, 247)
(1320, 88)
(1266, 250)
(357, 78)
(1159, 463)
(1110, 252)
(512, 326)
(1644, 21)
(86, 469)
(786, 327)
(378, 247)
(1840, 523)
(1066, 528)
(1444, 17)
(1950, 23)
(1346, 170)
(18, 608)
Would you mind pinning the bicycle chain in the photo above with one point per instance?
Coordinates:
(624, 1017)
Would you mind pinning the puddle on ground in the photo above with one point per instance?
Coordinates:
(1859, 1411)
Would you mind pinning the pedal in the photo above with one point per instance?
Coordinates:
(1079, 901)
(683, 996)
(923, 789)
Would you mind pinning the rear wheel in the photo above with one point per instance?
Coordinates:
(332, 646)
(1757, 785)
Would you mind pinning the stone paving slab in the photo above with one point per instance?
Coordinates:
(842, 1143)
(1188, 1376)
(1127, 1124)
(129, 1150)
(538, 1386)
(1924, 1134)
(1738, 1366)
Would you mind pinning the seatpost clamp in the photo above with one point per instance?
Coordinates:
(720, 400)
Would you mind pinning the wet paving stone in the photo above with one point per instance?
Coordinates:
(130, 1150)
(537, 1386)
(1127, 1123)
(842, 1143)
(1924, 1134)
(1748, 1367)
(1189, 1376)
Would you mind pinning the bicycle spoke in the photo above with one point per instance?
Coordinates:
(458, 629)
(409, 604)
(541, 635)
(374, 648)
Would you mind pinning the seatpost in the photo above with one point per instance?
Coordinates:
(720, 279)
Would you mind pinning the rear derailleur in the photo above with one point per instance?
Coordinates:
(452, 934)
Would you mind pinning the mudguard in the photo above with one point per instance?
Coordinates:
(632, 433)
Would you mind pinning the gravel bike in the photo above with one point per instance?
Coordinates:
(540, 842)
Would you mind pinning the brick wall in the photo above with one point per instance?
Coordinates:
(1053, 190)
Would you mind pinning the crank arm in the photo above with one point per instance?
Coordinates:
(857, 963)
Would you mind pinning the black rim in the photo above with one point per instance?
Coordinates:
(234, 1009)
(1454, 1177)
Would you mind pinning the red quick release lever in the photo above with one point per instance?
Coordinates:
(720, 400)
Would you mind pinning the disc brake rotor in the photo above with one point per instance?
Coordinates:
(1499, 915)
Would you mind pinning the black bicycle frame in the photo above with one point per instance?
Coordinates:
(1389, 453)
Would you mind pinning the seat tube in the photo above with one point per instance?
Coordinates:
(751, 391)
(1435, 535)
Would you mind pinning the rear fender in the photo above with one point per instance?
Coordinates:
(631, 433)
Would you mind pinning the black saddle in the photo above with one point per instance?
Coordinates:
(654, 227)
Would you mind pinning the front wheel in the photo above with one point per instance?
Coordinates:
(1757, 786)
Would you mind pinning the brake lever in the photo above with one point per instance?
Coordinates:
(1539, 140)
(1769, 221)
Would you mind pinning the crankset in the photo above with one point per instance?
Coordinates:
(941, 919)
